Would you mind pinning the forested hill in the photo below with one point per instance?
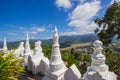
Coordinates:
(65, 41)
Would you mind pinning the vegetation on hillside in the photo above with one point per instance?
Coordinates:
(113, 61)
(10, 67)
(47, 50)
(69, 58)
(82, 60)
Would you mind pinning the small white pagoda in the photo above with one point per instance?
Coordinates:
(37, 63)
(57, 67)
(98, 69)
(19, 52)
(27, 50)
(5, 45)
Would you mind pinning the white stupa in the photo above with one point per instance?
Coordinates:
(27, 50)
(56, 62)
(19, 52)
(5, 45)
(57, 67)
(37, 63)
(98, 69)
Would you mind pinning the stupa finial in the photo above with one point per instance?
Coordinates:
(56, 29)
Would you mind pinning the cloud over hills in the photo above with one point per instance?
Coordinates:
(82, 15)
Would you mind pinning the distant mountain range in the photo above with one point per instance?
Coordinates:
(65, 41)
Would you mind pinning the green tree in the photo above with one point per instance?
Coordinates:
(84, 61)
(47, 50)
(110, 24)
(69, 58)
(113, 61)
(10, 67)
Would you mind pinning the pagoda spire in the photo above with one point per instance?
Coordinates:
(55, 38)
(57, 67)
(56, 62)
(5, 45)
(27, 45)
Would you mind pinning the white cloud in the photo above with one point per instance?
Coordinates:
(81, 17)
(33, 32)
(66, 4)
(34, 29)
(21, 28)
(50, 25)
(82, 30)
(12, 34)
(37, 29)
(41, 29)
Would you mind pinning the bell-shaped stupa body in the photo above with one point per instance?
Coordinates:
(98, 69)
(5, 45)
(57, 67)
(38, 49)
(27, 50)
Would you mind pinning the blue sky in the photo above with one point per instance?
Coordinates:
(39, 17)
